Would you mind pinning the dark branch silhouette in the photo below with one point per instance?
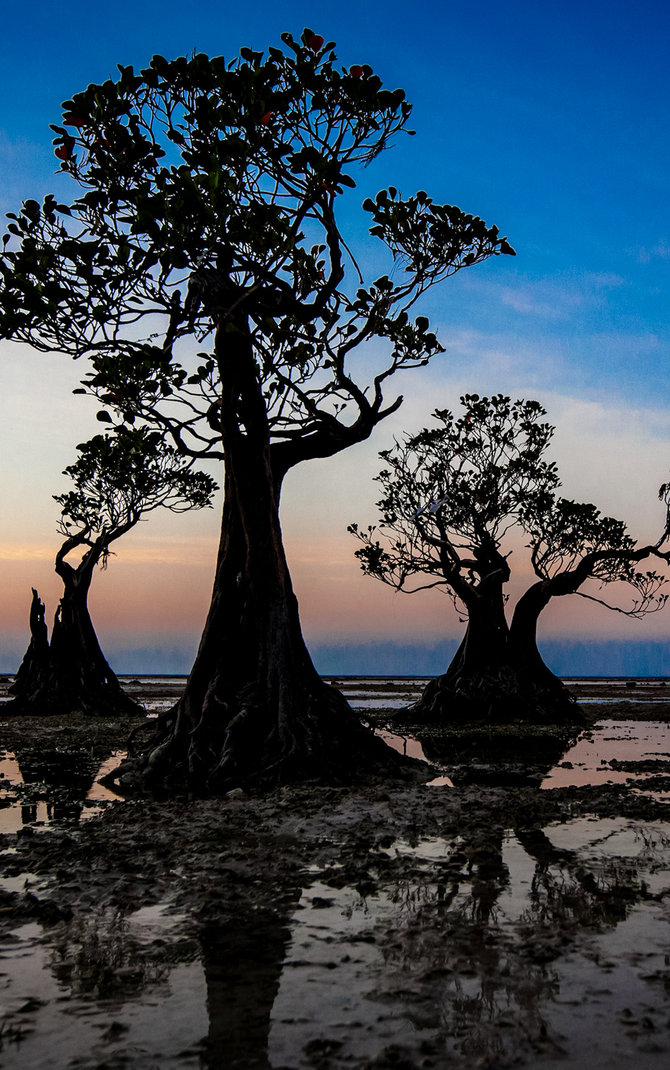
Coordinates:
(451, 495)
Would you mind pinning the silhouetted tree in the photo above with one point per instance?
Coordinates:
(118, 479)
(209, 211)
(451, 494)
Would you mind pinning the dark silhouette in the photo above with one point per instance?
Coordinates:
(210, 212)
(451, 495)
(36, 658)
(117, 478)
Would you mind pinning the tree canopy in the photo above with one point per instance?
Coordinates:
(451, 493)
(119, 478)
(451, 496)
(209, 190)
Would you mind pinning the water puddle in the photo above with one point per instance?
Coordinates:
(39, 804)
(593, 759)
(599, 699)
(380, 693)
(612, 752)
(480, 963)
(411, 748)
(487, 948)
(406, 745)
(101, 988)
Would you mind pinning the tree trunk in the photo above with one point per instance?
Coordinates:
(35, 665)
(551, 696)
(73, 674)
(497, 674)
(254, 706)
(480, 683)
(523, 635)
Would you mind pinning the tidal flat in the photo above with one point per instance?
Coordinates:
(505, 904)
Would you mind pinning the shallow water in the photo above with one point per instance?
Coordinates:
(530, 947)
(479, 964)
(99, 993)
(587, 763)
(41, 805)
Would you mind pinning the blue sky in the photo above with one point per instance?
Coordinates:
(550, 121)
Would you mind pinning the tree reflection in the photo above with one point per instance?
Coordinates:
(479, 942)
(101, 955)
(52, 784)
(242, 958)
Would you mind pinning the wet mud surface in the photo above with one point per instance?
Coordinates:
(508, 907)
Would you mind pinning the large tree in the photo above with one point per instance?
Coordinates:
(451, 497)
(210, 213)
(118, 478)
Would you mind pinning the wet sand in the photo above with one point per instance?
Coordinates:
(520, 917)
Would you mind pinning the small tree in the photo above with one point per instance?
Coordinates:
(118, 479)
(451, 495)
(209, 213)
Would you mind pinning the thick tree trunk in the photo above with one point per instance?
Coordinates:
(480, 683)
(254, 707)
(527, 657)
(523, 636)
(74, 676)
(497, 675)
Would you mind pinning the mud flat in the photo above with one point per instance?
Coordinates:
(508, 905)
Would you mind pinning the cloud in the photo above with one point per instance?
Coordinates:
(660, 251)
(556, 297)
(25, 552)
(527, 300)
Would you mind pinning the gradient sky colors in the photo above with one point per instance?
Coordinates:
(550, 121)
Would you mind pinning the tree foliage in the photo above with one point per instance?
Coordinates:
(120, 477)
(452, 493)
(209, 192)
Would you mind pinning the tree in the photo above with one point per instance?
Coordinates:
(451, 496)
(118, 479)
(210, 213)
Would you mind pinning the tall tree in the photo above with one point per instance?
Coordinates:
(210, 211)
(451, 496)
(118, 479)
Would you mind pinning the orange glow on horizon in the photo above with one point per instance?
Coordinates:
(162, 585)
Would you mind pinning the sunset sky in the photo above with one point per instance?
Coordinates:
(550, 121)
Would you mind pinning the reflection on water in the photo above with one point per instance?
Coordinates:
(608, 753)
(104, 992)
(466, 958)
(588, 762)
(55, 790)
(406, 745)
(492, 948)
(489, 948)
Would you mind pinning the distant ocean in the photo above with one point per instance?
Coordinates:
(608, 657)
(564, 657)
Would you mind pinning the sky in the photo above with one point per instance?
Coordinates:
(550, 121)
